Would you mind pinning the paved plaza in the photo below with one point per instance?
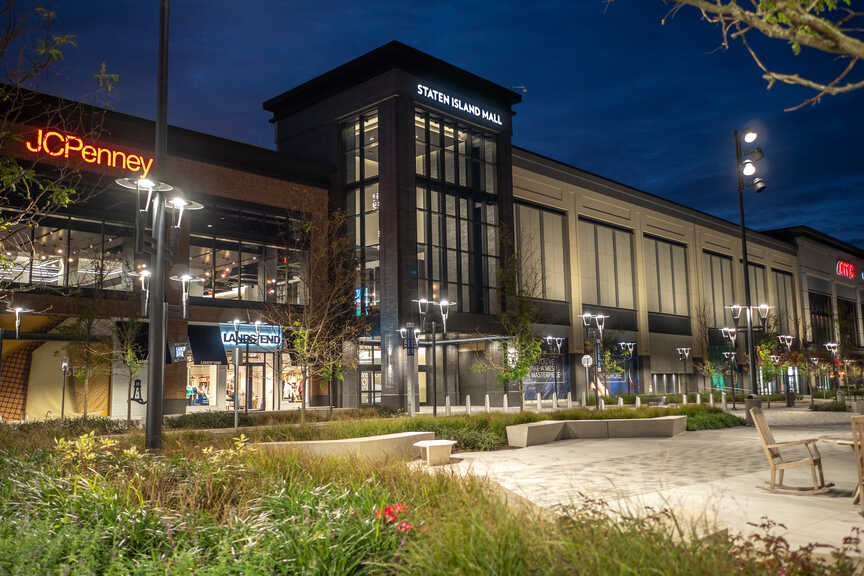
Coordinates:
(707, 475)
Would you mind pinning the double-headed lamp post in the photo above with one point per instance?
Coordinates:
(730, 334)
(444, 310)
(683, 354)
(817, 362)
(730, 359)
(745, 165)
(557, 341)
(409, 335)
(762, 310)
(786, 341)
(596, 323)
(832, 349)
(627, 348)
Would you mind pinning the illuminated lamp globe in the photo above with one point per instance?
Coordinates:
(750, 136)
(749, 168)
(143, 184)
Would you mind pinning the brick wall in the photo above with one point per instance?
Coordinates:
(13, 385)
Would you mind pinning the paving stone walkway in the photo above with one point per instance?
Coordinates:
(712, 475)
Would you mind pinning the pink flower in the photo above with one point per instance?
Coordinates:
(404, 526)
(400, 508)
(388, 513)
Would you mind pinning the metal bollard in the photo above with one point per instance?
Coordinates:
(447, 405)
(684, 399)
(569, 400)
(468, 404)
(486, 403)
(602, 405)
(539, 401)
(638, 402)
(698, 398)
(506, 402)
(620, 402)
(711, 398)
(723, 403)
(555, 401)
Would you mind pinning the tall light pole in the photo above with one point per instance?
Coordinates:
(816, 363)
(410, 336)
(730, 334)
(762, 311)
(730, 359)
(747, 167)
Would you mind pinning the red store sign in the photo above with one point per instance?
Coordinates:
(845, 269)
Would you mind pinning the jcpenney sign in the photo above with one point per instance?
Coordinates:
(459, 104)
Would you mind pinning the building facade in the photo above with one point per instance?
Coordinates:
(419, 156)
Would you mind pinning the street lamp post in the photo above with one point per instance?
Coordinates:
(65, 368)
(628, 347)
(786, 341)
(816, 363)
(730, 359)
(683, 354)
(409, 336)
(745, 165)
(762, 310)
(558, 341)
(595, 323)
(444, 310)
(832, 349)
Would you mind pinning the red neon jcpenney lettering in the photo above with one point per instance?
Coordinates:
(56, 144)
(845, 269)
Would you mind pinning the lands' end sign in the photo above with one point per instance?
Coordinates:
(62, 145)
(459, 104)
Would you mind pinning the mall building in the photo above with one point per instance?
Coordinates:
(419, 155)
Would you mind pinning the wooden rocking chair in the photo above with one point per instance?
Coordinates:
(779, 465)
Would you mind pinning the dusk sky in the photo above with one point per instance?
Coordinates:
(610, 89)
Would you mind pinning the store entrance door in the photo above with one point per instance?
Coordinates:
(255, 399)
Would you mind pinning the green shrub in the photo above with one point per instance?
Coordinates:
(833, 406)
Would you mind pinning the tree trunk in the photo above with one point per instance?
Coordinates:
(521, 396)
(303, 386)
(86, 392)
(129, 400)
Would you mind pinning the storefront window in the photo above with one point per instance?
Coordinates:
(63, 252)
(370, 374)
(821, 318)
(785, 305)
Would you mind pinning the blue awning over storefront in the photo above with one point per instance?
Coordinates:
(206, 345)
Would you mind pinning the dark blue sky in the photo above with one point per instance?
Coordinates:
(610, 89)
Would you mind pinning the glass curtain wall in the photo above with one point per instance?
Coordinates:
(360, 150)
(821, 318)
(606, 266)
(457, 215)
(540, 243)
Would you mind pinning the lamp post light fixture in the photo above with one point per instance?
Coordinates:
(558, 341)
(409, 335)
(65, 368)
(730, 359)
(144, 275)
(786, 341)
(750, 312)
(444, 311)
(185, 280)
(18, 311)
(595, 323)
(683, 354)
(627, 348)
(832, 348)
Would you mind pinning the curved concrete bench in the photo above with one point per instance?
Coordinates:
(522, 435)
(400, 445)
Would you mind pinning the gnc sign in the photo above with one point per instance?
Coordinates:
(62, 145)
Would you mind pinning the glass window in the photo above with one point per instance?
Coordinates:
(821, 318)
(758, 293)
(785, 305)
(49, 247)
(226, 258)
(17, 247)
(118, 258)
(848, 322)
(554, 281)
(666, 277)
(717, 287)
(606, 266)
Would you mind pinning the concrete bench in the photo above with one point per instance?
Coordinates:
(437, 451)
(382, 447)
(522, 435)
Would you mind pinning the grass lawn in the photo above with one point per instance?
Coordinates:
(88, 506)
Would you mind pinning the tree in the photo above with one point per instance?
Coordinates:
(318, 330)
(827, 26)
(30, 50)
(129, 353)
(88, 354)
(523, 348)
